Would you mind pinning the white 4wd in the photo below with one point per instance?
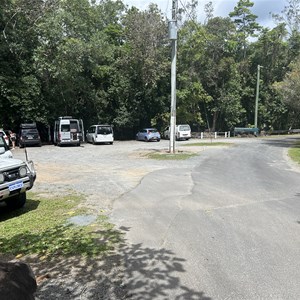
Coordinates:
(16, 177)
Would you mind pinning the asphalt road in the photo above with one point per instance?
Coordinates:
(225, 227)
(222, 225)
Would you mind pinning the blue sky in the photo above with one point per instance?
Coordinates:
(261, 8)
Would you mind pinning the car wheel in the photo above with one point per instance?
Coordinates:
(158, 140)
(17, 201)
(111, 143)
(93, 141)
(146, 140)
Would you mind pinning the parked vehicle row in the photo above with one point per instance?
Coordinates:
(70, 131)
(28, 135)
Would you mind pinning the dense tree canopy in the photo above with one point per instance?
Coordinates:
(106, 63)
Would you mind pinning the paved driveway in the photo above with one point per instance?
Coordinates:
(224, 227)
(221, 225)
(100, 172)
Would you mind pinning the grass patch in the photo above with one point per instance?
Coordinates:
(294, 152)
(42, 228)
(171, 156)
(209, 144)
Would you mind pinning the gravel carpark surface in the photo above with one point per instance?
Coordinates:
(102, 173)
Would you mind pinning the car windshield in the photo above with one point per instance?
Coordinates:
(104, 130)
(2, 142)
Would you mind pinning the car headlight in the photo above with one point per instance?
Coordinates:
(2, 178)
(23, 171)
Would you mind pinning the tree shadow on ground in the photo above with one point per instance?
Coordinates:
(285, 142)
(129, 272)
(7, 213)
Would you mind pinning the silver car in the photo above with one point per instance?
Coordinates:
(148, 134)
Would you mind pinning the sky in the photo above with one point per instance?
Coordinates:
(262, 8)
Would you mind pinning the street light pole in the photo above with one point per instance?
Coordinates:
(173, 38)
(257, 96)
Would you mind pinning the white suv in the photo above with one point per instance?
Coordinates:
(16, 177)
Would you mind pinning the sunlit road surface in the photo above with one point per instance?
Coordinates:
(226, 226)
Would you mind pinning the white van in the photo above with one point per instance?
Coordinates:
(182, 132)
(100, 134)
(68, 131)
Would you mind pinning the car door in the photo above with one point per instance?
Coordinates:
(141, 134)
(89, 135)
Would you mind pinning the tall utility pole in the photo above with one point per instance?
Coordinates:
(257, 96)
(173, 38)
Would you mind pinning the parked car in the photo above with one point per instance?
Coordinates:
(5, 136)
(100, 134)
(29, 135)
(68, 131)
(182, 132)
(16, 177)
(148, 134)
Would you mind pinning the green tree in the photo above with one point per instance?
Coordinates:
(245, 22)
(20, 92)
(145, 64)
(271, 51)
(289, 89)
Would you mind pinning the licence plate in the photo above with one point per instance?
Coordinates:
(15, 186)
(30, 137)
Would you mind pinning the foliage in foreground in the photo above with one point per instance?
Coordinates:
(294, 152)
(42, 228)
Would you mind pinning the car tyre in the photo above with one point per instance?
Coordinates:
(17, 201)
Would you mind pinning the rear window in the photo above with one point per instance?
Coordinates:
(184, 128)
(73, 125)
(153, 130)
(104, 130)
(65, 127)
(29, 131)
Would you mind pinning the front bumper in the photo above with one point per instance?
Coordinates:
(16, 187)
